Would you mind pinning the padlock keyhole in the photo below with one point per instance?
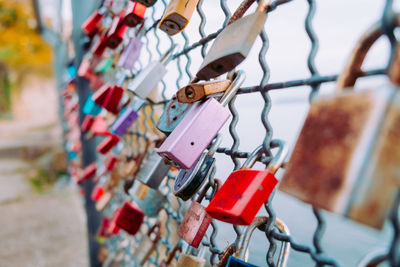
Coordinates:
(192, 143)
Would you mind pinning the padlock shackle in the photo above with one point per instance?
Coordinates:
(233, 88)
(215, 145)
(374, 258)
(244, 239)
(244, 6)
(167, 57)
(280, 157)
(172, 253)
(352, 70)
(203, 192)
(251, 160)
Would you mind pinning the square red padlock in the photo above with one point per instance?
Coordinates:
(129, 218)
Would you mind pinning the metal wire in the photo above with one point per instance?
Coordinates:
(145, 128)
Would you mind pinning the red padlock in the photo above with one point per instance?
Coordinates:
(108, 143)
(103, 228)
(84, 68)
(134, 14)
(100, 96)
(196, 221)
(110, 162)
(116, 31)
(92, 23)
(245, 191)
(100, 46)
(113, 98)
(96, 82)
(100, 126)
(129, 218)
(87, 123)
(112, 227)
(97, 193)
(88, 172)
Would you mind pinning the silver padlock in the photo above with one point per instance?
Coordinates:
(153, 171)
(147, 79)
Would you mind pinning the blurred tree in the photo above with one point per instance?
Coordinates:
(22, 50)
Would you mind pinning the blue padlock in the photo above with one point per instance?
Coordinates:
(91, 108)
(240, 257)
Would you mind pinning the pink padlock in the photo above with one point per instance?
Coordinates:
(184, 146)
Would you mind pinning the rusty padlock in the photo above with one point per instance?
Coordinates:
(246, 190)
(196, 220)
(171, 256)
(347, 155)
(173, 114)
(233, 44)
(197, 91)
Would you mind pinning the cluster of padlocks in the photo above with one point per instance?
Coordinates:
(156, 164)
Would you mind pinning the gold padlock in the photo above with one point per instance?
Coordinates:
(196, 91)
(233, 44)
(347, 157)
(177, 16)
(142, 191)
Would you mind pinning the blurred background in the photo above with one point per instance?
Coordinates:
(44, 221)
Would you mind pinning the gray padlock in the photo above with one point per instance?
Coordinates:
(153, 171)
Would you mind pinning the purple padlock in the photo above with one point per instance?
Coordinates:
(131, 53)
(184, 146)
(128, 117)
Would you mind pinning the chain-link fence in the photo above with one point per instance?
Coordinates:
(122, 247)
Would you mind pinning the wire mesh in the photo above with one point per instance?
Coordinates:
(122, 247)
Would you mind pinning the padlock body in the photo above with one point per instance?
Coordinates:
(129, 218)
(124, 121)
(232, 46)
(195, 224)
(100, 96)
(113, 99)
(116, 33)
(173, 113)
(177, 15)
(184, 146)
(349, 150)
(107, 144)
(188, 182)
(130, 54)
(97, 193)
(241, 196)
(152, 203)
(153, 171)
(134, 13)
(91, 24)
(90, 107)
(147, 79)
(87, 123)
(186, 260)
(235, 262)
(100, 126)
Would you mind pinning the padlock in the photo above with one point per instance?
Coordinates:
(188, 182)
(104, 66)
(198, 91)
(171, 256)
(109, 165)
(131, 53)
(148, 245)
(246, 190)
(104, 200)
(374, 258)
(153, 202)
(100, 126)
(101, 94)
(92, 23)
(184, 146)
(103, 228)
(347, 155)
(90, 107)
(134, 13)
(97, 192)
(228, 251)
(153, 171)
(113, 98)
(177, 16)
(88, 172)
(146, 2)
(107, 144)
(142, 191)
(100, 46)
(196, 220)
(233, 44)
(87, 123)
(147, 79)
(172, 115)
(116, 32)
(189, 260)
(127, 117)
(241, 254)
(129, 218)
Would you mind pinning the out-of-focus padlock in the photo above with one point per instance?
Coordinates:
(104, 200)
(109, 164)
(198, 91)
(100, 46)
(90, 107)
(153, 202)
(228, 251)
(184, 146)
(189, 260)
(127, 117)
(240, 258)
(131, 52)
(146, 2)
(233, 44)
(114, 96)
(246, 190)
(134, 13)
(100, 126)
(151, 75)
(188, 182)
(346, 158)
(153, 171)
(171, 256)
(107, 144)
(88, 172)
(172, 115)
(116, 32)
(93, 22)
(177, 16)
(148, 244)
(104, 66)
(87, 123)
(129, 218)
(196, 220)
(100, 95)
(97, 192)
